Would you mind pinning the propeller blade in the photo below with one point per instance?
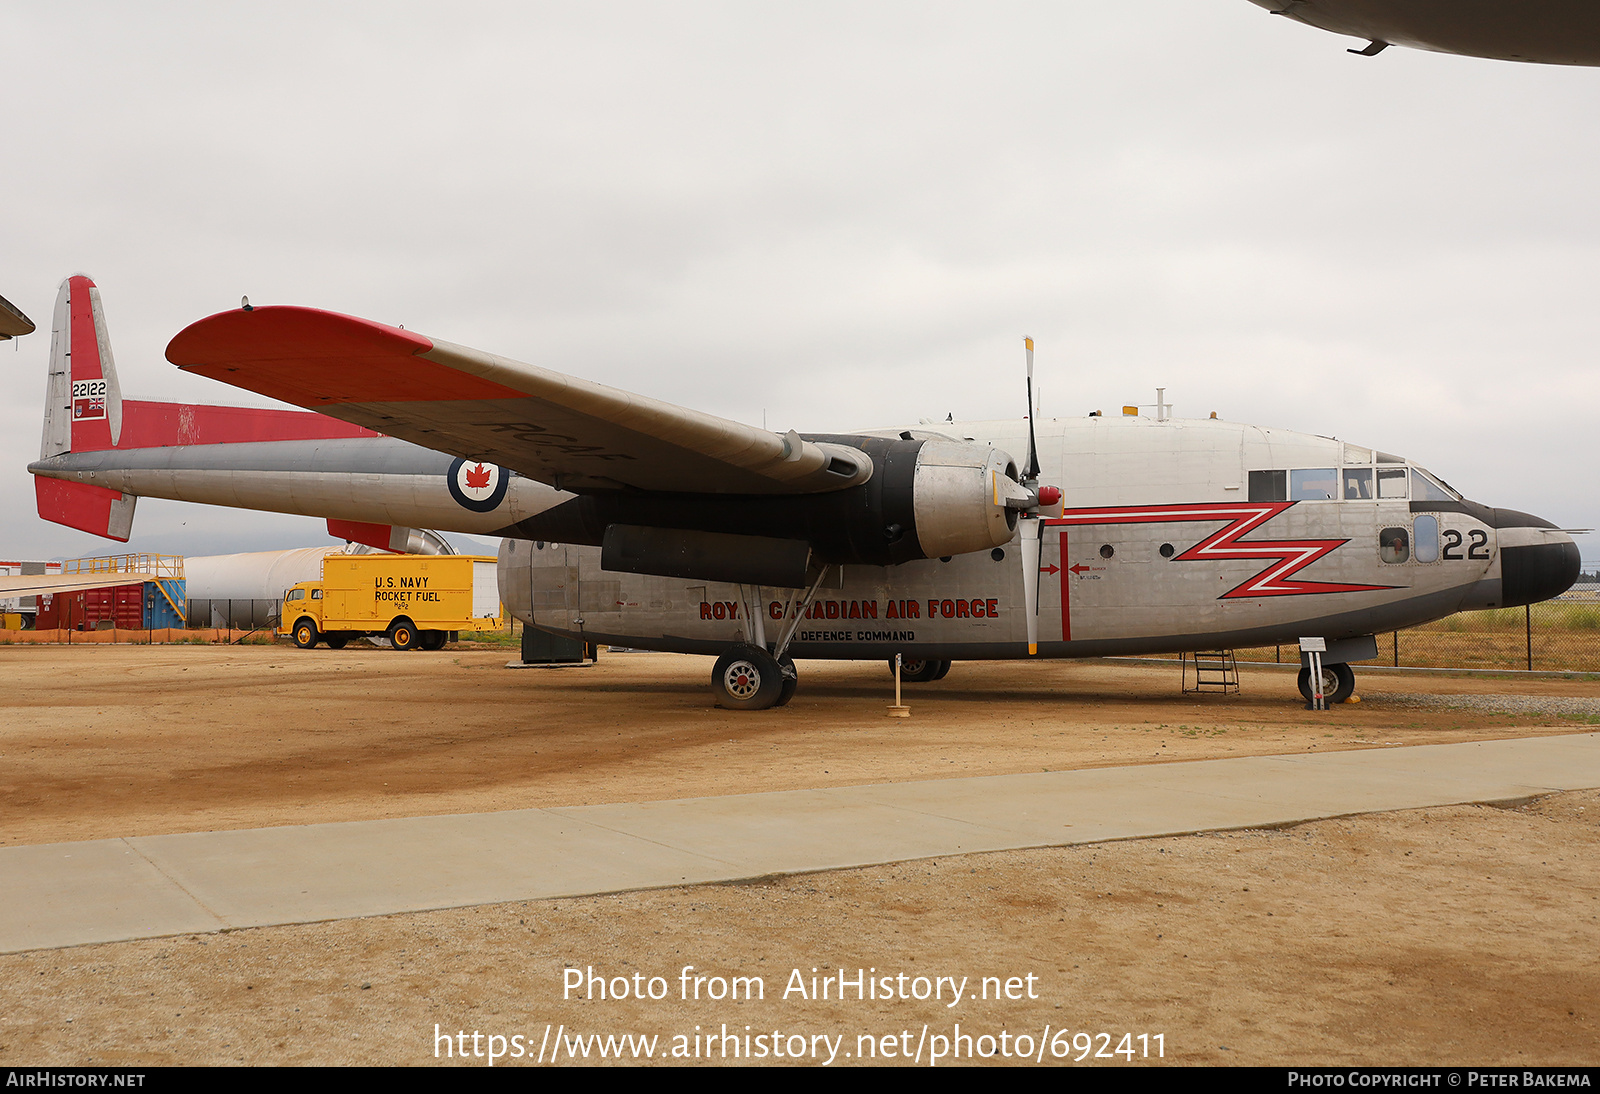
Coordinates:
(1031, 476)
(1031, 530)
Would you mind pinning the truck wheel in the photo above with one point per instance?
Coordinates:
(433, 640)
(336, 641)
(944, 669)
(747, 678)
(1338, 683)
(305, 634)
(403, 635)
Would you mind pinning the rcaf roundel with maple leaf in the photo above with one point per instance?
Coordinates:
(477, 485)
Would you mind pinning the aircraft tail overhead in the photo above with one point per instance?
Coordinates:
(91, 432)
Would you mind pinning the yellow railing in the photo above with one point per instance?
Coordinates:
(158, 566)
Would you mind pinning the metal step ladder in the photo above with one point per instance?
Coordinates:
(1214, 671)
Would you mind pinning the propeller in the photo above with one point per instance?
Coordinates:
(1031, 527)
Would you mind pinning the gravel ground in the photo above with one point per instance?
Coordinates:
(1579, 708)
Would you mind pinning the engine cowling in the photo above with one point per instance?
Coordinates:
(960, 498)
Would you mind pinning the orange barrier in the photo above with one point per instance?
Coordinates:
(156, 637)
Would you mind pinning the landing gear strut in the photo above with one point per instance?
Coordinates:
(750, 676)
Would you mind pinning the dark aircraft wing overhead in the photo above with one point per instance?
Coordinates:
(571, 433)
(1555, 32)
(13, 324)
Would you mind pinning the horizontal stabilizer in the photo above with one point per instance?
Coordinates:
(87, 508)
(381, 536)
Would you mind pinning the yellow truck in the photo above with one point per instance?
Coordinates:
(415, 601)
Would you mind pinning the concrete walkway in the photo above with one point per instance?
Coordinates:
(66, 894)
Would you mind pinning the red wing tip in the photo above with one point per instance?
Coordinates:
(276, 332)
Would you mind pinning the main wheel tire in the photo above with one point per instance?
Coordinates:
(403, 635)
(791, 681)
(305, 634)
(944, 669)
(336, 641)
(917, 670)
(433, 640)
(1338, 683)
(747, 678)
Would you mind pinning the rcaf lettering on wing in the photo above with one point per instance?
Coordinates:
(630, 521)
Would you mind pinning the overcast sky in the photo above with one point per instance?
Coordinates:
(829, 216)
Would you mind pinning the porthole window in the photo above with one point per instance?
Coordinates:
(1394, 545)
(1426, 529)
(1106, 550)
(998, 554)
(1168, 550)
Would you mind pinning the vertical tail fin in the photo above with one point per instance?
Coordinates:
(83, 402)
(82, 413)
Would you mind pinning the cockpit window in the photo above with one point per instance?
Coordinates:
(1358, 484)
(1269, 486)
(1423, 488)
(1391, 482)
(1313, 484)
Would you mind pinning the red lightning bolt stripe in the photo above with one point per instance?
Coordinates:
(1290, 555)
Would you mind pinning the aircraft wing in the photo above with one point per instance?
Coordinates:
(571, 433)
(44, 584)
(13, 324)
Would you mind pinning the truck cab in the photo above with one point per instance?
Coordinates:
(302, 617)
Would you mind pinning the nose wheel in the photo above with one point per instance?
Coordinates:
(1338, 683)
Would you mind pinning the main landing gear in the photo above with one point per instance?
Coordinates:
(750, 675)
(749, 678)
(1338, 683)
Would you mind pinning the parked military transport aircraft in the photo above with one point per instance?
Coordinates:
(634, 522)
(1552, 32)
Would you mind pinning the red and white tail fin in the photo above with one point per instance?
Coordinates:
(82, 413)
(83, 402)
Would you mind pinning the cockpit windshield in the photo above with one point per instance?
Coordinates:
(1424, 487)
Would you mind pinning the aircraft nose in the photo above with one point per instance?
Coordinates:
(1537, 560)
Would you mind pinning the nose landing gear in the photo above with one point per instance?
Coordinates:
(1338, 683)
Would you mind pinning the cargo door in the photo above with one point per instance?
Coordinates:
(485, 591)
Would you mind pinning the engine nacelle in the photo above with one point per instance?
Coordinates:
(959, 499)
(925, 497)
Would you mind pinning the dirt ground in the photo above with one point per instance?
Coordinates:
(1450, 936)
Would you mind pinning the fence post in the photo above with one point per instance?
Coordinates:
(1396, 649)
(1527, 628)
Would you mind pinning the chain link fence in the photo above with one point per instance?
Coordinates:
(1559, 635)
